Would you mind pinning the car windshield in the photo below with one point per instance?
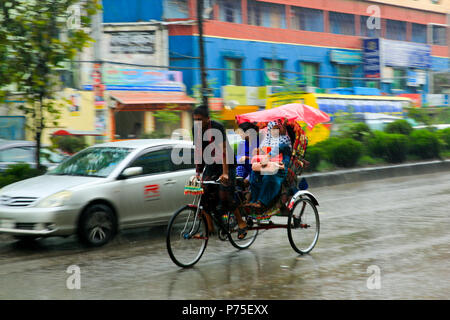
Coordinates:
(92, 162)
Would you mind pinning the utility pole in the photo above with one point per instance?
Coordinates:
(97, 70)
(204, 89)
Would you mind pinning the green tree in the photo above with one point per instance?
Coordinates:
(35, 43)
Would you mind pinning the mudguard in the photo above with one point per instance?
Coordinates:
(303, 193)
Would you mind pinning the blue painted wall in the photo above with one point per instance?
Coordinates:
(131, 10)
(253, 53)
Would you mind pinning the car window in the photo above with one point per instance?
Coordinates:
(48, 156)
(182, 158)
(154, 162)
(17, 154)
(92, 162)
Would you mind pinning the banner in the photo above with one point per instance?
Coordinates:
(120, 78)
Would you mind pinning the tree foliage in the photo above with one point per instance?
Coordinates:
(35, 44)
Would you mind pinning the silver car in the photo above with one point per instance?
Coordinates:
(102, 189)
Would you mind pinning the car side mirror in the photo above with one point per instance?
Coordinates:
(132, 171)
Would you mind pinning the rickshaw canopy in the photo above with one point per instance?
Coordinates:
(292, 112)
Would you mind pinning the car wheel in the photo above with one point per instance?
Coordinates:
(97, 225)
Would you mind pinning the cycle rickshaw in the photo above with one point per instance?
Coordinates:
(188, 234)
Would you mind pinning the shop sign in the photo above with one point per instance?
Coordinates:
(132, 79)
(406, 54)
(244, 96)
(371, 58)
(132, 42)
(346, 57)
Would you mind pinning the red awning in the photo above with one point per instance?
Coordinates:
(150, 97)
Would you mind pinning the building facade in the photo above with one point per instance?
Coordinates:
(256, 43)
(318, 42)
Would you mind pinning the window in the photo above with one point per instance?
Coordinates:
(186, 157)
(308, 19)
(233, 77)
(399, 79)
(273, 73)
(230, 11)
(342, 23)
(154, 162)
(365, 23)
(419, 33)
(345, 71)
(310, 71)
(439, 35)
(177, 9)
(395, 30)
(92, 162)
(254, 13)
(276, 15)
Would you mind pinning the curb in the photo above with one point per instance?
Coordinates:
(317, 180)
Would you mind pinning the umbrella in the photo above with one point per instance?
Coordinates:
(293, 111)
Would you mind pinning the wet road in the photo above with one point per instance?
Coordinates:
(396, 228)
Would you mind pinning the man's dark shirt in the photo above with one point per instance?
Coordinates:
(216, 168)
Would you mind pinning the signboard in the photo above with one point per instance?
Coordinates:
(245, 96)
(346, 57)
(371, 58)
(132, 42)
(406, 54)
(98, 87)
(436, 100)
(416, 78)
(119, 78)
(75, 104)
(381, 53)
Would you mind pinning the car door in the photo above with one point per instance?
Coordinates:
(147, 198)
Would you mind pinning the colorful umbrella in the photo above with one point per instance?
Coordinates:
(293, 111)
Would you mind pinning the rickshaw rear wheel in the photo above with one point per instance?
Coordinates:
(303, 226)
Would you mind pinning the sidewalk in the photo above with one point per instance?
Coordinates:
(317, 180)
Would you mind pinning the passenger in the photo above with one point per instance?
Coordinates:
(250, 141)
(267, 176)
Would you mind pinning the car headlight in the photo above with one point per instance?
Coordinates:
(55, 200)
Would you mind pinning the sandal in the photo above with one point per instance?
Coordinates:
(242, 233)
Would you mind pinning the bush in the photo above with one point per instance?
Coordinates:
(342, 152)
(424, 144)
(389, 146)
(313, 154)
(357, 131)
(399, 126)
(69, 144)
(18, 172)
(444, 135)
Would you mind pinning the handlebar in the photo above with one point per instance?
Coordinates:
(214, 182)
